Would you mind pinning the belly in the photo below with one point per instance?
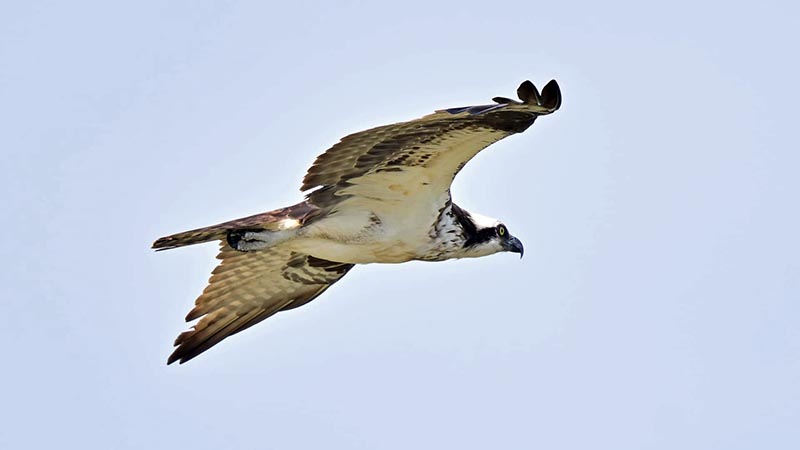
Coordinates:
(357, 253)
(363, 240)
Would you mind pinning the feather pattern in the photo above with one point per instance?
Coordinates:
(402, 172)
(465, 131)
(380, 195)
(248, 287)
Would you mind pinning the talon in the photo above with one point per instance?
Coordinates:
(236, 238)
(233, 238)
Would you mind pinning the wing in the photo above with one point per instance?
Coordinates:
(412, 161)
(246, 288)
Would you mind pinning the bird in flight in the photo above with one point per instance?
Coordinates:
(378, 196)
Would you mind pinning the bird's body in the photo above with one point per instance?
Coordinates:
(365, 237)
(381, 196)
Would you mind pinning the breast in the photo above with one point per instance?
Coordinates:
(363, 237)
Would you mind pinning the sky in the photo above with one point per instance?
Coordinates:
(656, 305)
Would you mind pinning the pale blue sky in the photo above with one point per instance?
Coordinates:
(656, 306)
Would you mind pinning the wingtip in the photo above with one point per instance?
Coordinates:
(175, 359)
(174, 356)
(528, 93)
(180, 356)
(550, 97)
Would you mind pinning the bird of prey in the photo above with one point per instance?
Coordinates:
(377, 196)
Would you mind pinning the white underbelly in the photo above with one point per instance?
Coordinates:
(364, 239)
(360, 253)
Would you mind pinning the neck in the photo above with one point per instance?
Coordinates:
(464, 221)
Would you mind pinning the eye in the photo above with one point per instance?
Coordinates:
(501, 230)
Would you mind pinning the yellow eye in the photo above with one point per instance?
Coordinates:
(501, 230)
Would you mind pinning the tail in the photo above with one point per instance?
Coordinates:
(273, 220)
(191, 237)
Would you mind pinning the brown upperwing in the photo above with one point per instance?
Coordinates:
(465, 130)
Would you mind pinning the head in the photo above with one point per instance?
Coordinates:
(485, 236)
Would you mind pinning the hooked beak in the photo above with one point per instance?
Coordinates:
(514, 245)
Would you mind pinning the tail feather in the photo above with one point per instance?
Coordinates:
(191, 237)
(298, 214)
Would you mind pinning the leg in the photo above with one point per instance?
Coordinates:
(254, 239)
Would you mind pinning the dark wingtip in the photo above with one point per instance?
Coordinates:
(504, 100)
(180, 355)
(175, 356)
(528, 93)
(551, 95)
(178, 359)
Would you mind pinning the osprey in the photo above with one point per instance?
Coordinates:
(378, 196)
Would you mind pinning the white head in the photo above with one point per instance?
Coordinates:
(484, 235)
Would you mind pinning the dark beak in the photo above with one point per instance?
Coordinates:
(514, 245)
